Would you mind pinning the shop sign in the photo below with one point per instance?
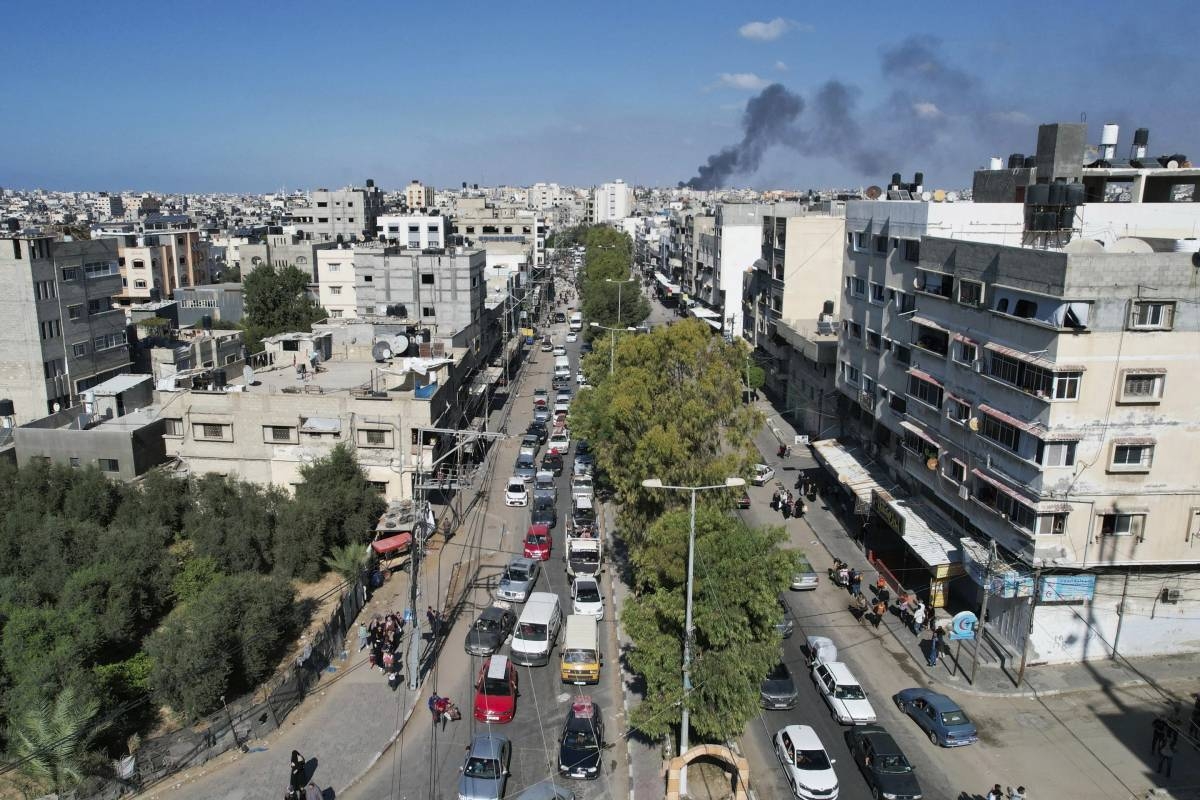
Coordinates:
(962, 625)
(888, 514)
(1062, 588)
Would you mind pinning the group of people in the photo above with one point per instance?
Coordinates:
(1008, 793)
(443, 710)
(383, 635)
(787, 504)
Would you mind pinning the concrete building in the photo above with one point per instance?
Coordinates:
(336, 282)
(61, 334)
(346, 215)
(217, 301)
(414, 231)
(163, 351)
(158, 256)
(511, 237)
(1026, 382)
(107, 206)
(544, 196)
(279, 249)
(116, 429)
(418, 196)
(440, 291)
(611, 202)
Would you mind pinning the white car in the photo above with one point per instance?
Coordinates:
(572, 336)
(586, 598)
(515, 494)
(762, 475)
(559, 350)
(579, 379)
(560, 440)
(843, 693)
(806, 765)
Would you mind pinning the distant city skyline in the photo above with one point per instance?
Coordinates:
(237, 98)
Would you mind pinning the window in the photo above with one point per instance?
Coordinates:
(99, 269)
(75, 462)
(1000, 432)
(954, 470)
(108, 465)
(966, 352)
(935, 283)
(856, 286)
(1122, 524)
(860, 242)
(874, 341)
(970, 293)
(1142, 387)
(427, 279)
(334, 267)
(1066, 385)
(855, 330)
(99, 305)
(905, 302)
(53, 368)
(912, 250)
(931, 339)
(372, 438)
(1131, 457)
(877, 293)
(868, 387)
(79, 349)
(322, 204)
(335, 290)
(75, 312)
(957, 410)
(427, 311)
(1056, 454)
(903, 354)
(336, 313)
(1005, 368)
(139, 263)
(70, 274)
(279, 433)
(928, 393)
(881, 245)
(174, 426)
(898, 404)
(108, 341)
(49, 329)
(139, 284)
(1151, 315)
(1052, 524)
(850, 373)
(212, 431)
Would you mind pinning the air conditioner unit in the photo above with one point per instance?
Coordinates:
(1169, 595)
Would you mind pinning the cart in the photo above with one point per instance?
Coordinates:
(820, 649)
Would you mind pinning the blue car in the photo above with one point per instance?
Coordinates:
(940, 717)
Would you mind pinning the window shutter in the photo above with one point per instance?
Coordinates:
(1136, 524)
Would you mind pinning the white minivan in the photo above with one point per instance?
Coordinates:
(537, 630)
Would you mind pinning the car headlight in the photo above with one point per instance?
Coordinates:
(592, 769)
(887, 796)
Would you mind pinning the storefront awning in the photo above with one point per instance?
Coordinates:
(924, 530)
(849, 467)
(392, 544)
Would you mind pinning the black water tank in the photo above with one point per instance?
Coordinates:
(1037, 194)
(370, 183)
(827, 307)
(919, 179)
(896, 179)
(1030, 162)
(1076, 194)
(7, 409)
(1141, 137)
(1058, 194)
(218, 378)
(1016, 161)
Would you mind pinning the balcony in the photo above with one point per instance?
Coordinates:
(930, 337)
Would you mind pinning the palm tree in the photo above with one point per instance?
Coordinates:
(51, 741)
(347, 560)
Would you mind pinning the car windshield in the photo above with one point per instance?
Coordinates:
(482, 768)
(495, 686)
(580, 739)
(516, 488)
(894, 764)
(588, 594)
(779, 673)
(812, 759)
(579, 656)
(955, 717)
(536, 539)
(851, 691)
(487, 625)
(531, 631)
(516, 572)
(525, 461)
(585, 557)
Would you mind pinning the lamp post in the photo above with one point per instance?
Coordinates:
(619, 284)
(655, 483)
(612, 342)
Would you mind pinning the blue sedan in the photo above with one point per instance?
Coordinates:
(940, 717)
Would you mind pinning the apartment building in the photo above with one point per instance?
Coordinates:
(414, 231)
(279, 249)
(336, 282)
(611, 202)
(62, 333)
(418, 196)
(105, 206)
(167, 253)
(512, 237)
(441, 291)
(345, 215)
(1025, 383)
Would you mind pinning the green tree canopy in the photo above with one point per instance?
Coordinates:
(277, 301)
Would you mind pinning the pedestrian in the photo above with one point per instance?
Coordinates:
(362, 636)
(880, 610)
(432, 618)
(880, 584)
(312, 792)
(995, 793)
(1159, 726)
(855, 582)
(918, 619)
(434, 702)
(935, 646)
(442, 711)
(775, 500)
(785, 509)
(299, 773)
(1166, 757)
(1018, 794)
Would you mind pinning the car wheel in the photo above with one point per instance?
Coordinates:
(933, 737)
(876, 794)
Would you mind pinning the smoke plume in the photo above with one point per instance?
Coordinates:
(931, 109)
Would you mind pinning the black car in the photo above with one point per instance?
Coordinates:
(553, 462)
(560, 316)
(538, 429)
(582, 741)
(586, 347)
(490, 629)
(883, 764)
(543, 513)
(778, 689)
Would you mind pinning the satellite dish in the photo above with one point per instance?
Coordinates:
(400, 343)
(939, 196)
(381, 351)
(874, 192)
(951, 197)
(926, 196)
(248, 375)
(932, 463)
(973, 423)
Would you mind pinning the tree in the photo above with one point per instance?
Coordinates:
(233, 522)
(348, 560)
(739, 574)
(51, 741)
(277, 301)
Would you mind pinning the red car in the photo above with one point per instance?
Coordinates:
(496, 690)
(538, 542)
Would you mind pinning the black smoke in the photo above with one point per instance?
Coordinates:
(931, 110)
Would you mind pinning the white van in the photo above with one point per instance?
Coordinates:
(581, 651)
(577, 321)
(537, 630)
(562, 366)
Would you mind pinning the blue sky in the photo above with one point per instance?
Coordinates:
(253, 96)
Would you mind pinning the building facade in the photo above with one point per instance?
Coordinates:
(611, 202)
(345, 215)
(442, 291)
(418, 196)
(414, 231)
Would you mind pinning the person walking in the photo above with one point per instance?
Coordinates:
(299, 777)
(880, 609)
(775, 500)
(362, 636)
(995, 793)
(1159, 727)
(935, 645)
(918, 618)
(434, 702)
(1016, 794)
(1166, 757)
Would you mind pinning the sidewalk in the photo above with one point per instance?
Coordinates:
(993, 677)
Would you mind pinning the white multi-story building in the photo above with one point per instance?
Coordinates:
(336, 282)
(612, 201)
(414, 231)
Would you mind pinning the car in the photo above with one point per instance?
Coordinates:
(552, 462)
(744, 500)
(583, 486)
(518, 579)
(572, 336)
(559, 350)
(540, 398)
(544, 513)
(586, 598)
(558, 383)
(546, 346)
(583, 519)
(805, 577)
(806, 765)
(763, 475)
(563, 395)
(516, 493)
(579, 379)
(539, 430)
(882, 763)
(559, 316)
(529, 444)
(778, 689)
(490, 629)
(786, 625)
(544, 485)
(582, 741)
(485, 768)
(940, 717)
(525, 468)
(541, 415)
(538, 543)
(496, 691)
(560, 440)
(842, 692)
(583, 465)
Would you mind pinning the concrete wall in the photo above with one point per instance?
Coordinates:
(135, 449)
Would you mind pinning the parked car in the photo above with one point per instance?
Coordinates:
(525, 467)
(882, 763)
(541, 415)
(559, 316)
(940, 717)
(485, 768)
(806, 765)
(539, 430)
(552, 462)
(516, 493)
(842, 692)
(763, 475)
(490, 629)
(496, 690)
(540, 398)
(547, 345)
(572, 336)
(805, 577)
(582, 740)
(530, 444)
(786, 624)
(559, 350)
(538, 543)
(544, 513)
(586, 598)
(559, 382)
(518, 579)
(560, 440)
(778, 689)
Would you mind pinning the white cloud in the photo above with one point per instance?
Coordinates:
(740, 80)
(1013, 117)
(927, 110)
(770, 31)
(782, 67)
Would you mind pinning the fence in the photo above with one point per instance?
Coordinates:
(243, 720)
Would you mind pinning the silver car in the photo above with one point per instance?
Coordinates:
(518, 579)
(485, 769)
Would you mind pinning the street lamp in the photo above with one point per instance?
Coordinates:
(655, 483)
(619, 286)
(612, 342)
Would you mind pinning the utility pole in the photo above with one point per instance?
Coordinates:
(987, 592)
(1037, 595)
